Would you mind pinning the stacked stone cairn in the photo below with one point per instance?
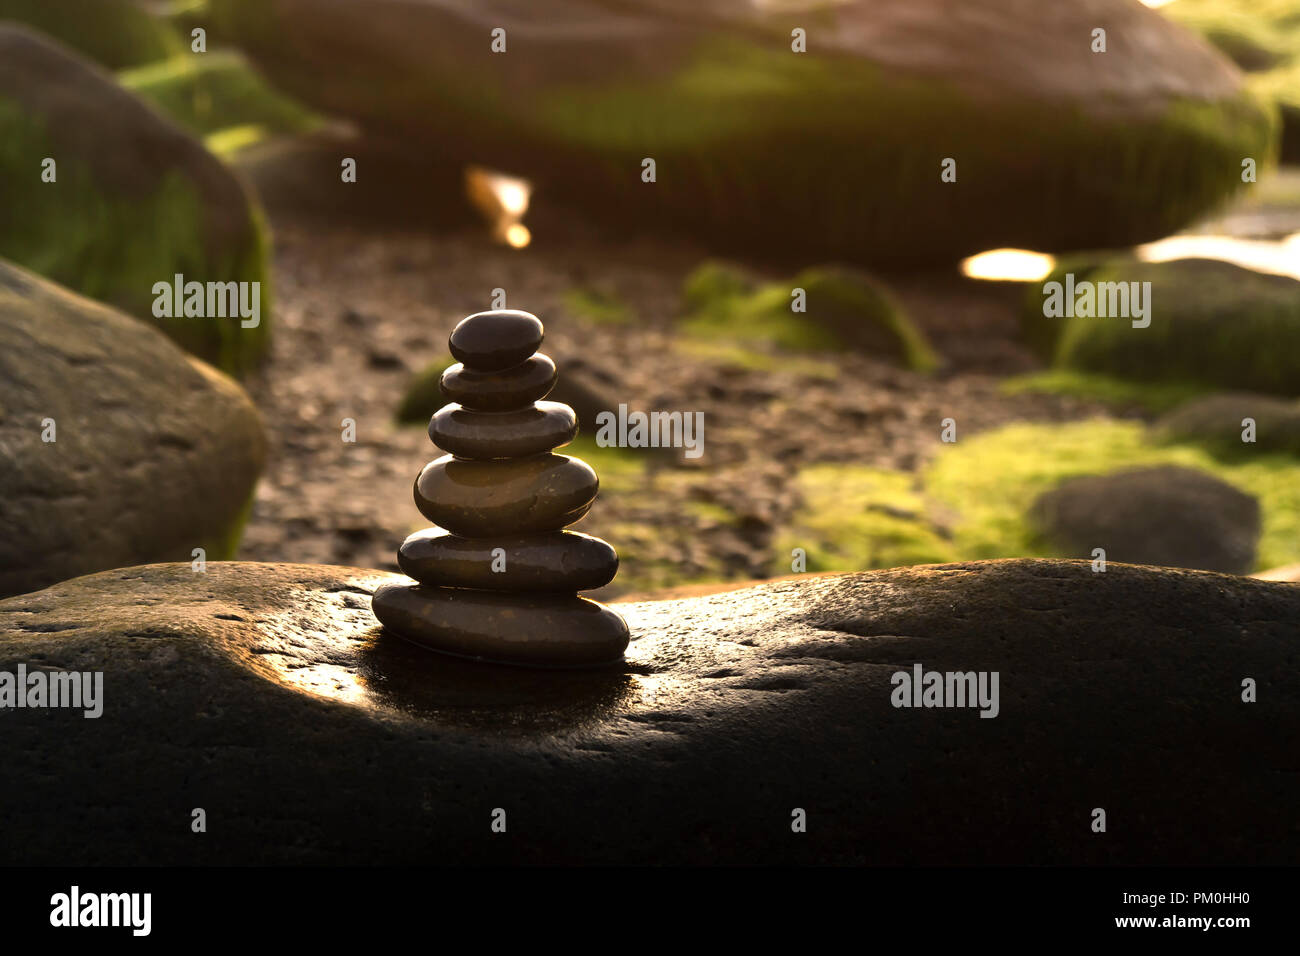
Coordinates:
(499, 576)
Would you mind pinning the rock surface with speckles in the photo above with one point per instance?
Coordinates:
(268, 693)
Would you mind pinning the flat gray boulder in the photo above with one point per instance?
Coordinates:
(268, 696)
(118, 447)
(1167, 516)
(1219, 422)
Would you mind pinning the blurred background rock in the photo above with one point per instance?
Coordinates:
(821, 170)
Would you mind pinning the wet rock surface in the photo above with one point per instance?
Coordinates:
(230, 689)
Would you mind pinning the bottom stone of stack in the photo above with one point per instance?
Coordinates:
(530, 630)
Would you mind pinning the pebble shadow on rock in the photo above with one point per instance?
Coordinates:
(268, 695)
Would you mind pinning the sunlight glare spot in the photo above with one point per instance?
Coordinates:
(1015, 265)
(513, 196)
(517, 235)
(1261, 255)
(503, 201)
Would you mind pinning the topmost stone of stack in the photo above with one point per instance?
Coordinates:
(492, 341)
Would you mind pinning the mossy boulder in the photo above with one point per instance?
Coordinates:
(834, 154)
(1263, 38)
(589, 390)
(120, 449)
(423, 394)
(135, 200)
(216, 91)
(1220, 424)
(1042, 333)
(716, 282)
(114, 33)
(1211, 323)
(841, 308)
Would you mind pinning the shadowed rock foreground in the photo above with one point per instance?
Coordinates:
(268, 695)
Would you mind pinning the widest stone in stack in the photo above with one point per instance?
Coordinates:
(499, 577)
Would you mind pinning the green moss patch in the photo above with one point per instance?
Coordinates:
(990, 479)
(749, 359)
(229, 142)
(854, 517)
(653, 537)
(224, 546)
(423, 395)
(1115, 392)
(1282, 86)
(710, 512)
(114, 33)
(599, 306)
(713, 283)
(970, 503)
(621, 470)
(209, 92)
(1257, 34)
(843, 308)
(725, 304)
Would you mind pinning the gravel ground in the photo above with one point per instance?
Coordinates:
(359, 310)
